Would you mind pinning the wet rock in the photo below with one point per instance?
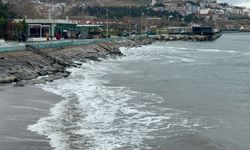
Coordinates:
(24, 67)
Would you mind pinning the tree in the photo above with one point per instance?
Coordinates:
(9, 28)
(190, 18)
(24, 27)
(4, 11)
(3, 27)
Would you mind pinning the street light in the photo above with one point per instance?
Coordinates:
(142, 14)
(169, 17)
(82, 19)
(129, 25)
(107, 26)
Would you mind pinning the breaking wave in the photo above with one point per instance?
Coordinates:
(216, 50)
(97, 115)
(167, 54)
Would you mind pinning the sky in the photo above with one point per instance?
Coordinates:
(245, 3)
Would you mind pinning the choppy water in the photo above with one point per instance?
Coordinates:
(166, 96)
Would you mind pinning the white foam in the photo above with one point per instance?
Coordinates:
(186, 49)
(29, 108)
(178, 48)
(12, 139)
(181, 59)
(157, 53)
(95, 115)
(245, 53)
(216, 50)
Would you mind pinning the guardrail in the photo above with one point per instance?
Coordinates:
(12, 47)
(63, 43)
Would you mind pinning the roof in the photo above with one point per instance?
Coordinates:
(46, 21)
(178, 27)
(89, 25)
(192, 3)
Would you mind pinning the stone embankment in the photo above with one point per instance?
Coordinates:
(189, 37)
(26, 66)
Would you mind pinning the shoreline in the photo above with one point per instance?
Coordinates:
(25, 104)
(22, 66)
(21, 107)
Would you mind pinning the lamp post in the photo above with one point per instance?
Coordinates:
(129, 25)
(142, 14)
(51, 26)
(169, 17)
(107, 25)
(82, 21)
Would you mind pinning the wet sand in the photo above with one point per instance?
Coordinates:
(20, 107)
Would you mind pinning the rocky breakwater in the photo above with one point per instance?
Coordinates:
(179, 37)
(28, 67)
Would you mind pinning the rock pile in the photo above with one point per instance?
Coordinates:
(22, 67)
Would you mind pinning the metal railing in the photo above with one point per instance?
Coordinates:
(64, 43)
(12, 47)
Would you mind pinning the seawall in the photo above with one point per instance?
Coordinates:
(23, 67)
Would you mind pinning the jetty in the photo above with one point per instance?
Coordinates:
(188, 37)
(193, 33)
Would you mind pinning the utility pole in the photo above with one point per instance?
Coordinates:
(50, 28)
(129, 25)
(142, 14)
(107, 21)
(82, 21)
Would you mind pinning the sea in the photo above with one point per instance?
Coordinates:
(171, 95)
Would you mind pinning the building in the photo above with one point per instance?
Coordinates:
(179, 30)
(205, 11)
(235, 10)
(246, 12)
(194, 30)
(192, 8)
(184, 7)
(153, 2)
(175, 5)
(202, 30)
(37, 28)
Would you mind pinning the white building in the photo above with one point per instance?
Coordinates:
(192, 8)
(153, 2)
(5, 1)
(205, 11)
(246, 12)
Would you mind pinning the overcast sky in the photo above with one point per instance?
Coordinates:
(237, 2)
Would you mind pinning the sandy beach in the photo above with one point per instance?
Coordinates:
(20, 107)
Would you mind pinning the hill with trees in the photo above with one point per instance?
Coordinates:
(57, 8)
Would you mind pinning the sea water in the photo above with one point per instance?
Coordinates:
(165, 96)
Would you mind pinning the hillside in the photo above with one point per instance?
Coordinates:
(100, 2)
(118, 2)
(42, 8)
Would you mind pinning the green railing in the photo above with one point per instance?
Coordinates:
(64, 43)
(13, 47)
